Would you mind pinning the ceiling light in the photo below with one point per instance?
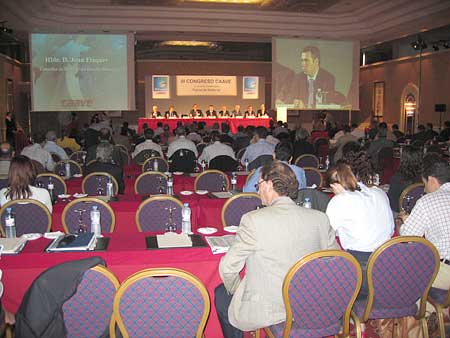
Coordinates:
(419, 44)
(189, 43)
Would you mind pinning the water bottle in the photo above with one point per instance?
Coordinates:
(233, 181)
(160, 187)
(67, 165)
(10, 224)
(84, 158)
(169, 185)
(186, 219)
(327, 162)
(246, 165)
(95, 221)
(307, 203)
(109, 188)
(155, 165)
(50, 188)
(203, 164)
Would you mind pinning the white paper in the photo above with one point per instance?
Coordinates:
(220, 244)
(173, 240)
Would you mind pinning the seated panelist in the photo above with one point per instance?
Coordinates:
(195, 112)
(171, 113)
(155, 112)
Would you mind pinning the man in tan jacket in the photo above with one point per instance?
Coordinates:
(269, 241)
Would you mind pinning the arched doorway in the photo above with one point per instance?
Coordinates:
(409, 104)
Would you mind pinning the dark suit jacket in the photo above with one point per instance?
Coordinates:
(157, 114)
(262, 113)
(109, 168)
(324, 80)
(118, 156)
(224, 113)
(174, 114)
(208, 113)
(199, 113)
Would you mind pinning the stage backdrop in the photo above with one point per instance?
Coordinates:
(218, 90)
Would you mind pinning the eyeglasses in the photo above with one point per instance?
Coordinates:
(257, 184)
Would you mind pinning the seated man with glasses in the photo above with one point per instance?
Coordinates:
(269, 241)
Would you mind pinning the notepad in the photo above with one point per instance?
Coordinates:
(81, 242)
(12, 245)
(173, 240)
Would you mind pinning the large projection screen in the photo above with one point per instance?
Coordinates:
(315, 74)
(82, 72)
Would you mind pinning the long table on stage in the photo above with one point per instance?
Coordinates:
(232, 121)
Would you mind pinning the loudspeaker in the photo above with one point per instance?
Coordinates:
(440, 108)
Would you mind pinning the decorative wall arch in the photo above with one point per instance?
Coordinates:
(409, 89)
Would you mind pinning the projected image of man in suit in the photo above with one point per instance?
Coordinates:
(315, 84)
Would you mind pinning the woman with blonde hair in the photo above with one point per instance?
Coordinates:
(361, 215)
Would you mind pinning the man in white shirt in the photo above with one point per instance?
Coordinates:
(52, 147)
(181, 142)
(259, 147)
(148, 144)
(38, 153)
(216, 148)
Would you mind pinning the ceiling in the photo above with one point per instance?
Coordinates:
(369, 21)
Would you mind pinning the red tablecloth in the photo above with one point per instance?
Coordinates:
(206, 211)
(125, 256)
(233, 122)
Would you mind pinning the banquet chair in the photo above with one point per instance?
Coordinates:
(318, 292)
(88, 312)
(38, 167)
(95, 184)
(212, 180)
(440, 299)
(31, 216)
(59, 186)
(76, 215)
(238, 205)
(307, 160)
(149, 164)
(163, 302)
(78, 156)
(260, 161)
(223, 163)
(155, 213)
(399, 274)
(321, 146)
(249, 176)
(410, 195)
(145, 155)
(151, 182)
(313, 176)
(60, 168)
(183, 160)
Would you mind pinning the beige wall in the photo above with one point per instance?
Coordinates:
(397, 74)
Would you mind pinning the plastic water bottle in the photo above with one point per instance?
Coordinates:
(84, 158)
(246, 164)
(50, 188)
(95, 221)
(155, 165)
(327, 163)
(307, 203)
(233, 181)
(109, 187)
(67, 165)
(10, 224)
(186, 219)
(203, 164)
(169, 189)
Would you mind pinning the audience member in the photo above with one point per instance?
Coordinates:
(359, 162)
(343, 140)
(283, 152)
(360, 215)
(67, 142)
(52, 147)
(421, 136)
(408, 173)
(376, 145)
(444, 136)
(301, 144)
(396, 131)
(430, 133)
(241, 139)
(104, 136)
(226, 136)
(268, 242)
(358, 133)
(148, 144)
(216, 149)
(430, 216)
(21, 179)
(11, 129)
(259, 146)
(37, 152)
(181, 142)
(104, 163)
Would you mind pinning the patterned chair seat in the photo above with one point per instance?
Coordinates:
(60, 168)
(31, 216)
(149, 165)
(59, 186)
(410, 195)
(307, 160)
(313, 176)
(88, 312)
(95, 183)
(235, 207)
(144, 155)
(440, 299)
(77, 213)
(150, 183)
(212, 180)
(161, 303)
(153, 214)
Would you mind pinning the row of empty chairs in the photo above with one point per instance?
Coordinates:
(319, 291)
(152, 214)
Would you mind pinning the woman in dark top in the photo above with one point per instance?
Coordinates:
(301, 145)
(409, 173)
(11, 129)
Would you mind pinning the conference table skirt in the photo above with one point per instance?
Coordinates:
(233, 122)
(125, 256)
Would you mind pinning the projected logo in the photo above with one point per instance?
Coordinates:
(160, 87)
(250, 87)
